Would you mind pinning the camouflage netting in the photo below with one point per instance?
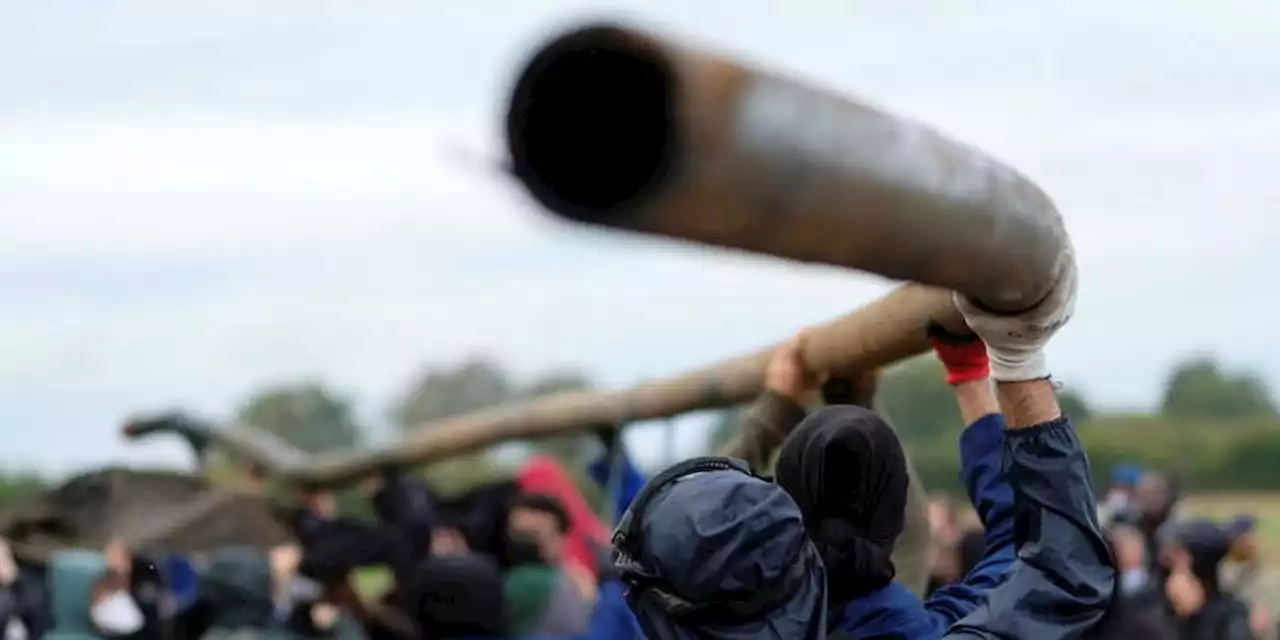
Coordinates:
(155, 511)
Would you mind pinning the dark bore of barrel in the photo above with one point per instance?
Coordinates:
(585, 153)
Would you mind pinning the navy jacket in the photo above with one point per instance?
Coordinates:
(1064, 577)
(894, 612)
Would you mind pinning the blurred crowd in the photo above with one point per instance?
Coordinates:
(521, 558)
(530, 558)
(1178, 577)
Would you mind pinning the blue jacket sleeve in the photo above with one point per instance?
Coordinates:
(631, 481)
(981, 446)
(612, 619)
(1063, 579)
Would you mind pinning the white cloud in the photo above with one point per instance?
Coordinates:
(179, 224)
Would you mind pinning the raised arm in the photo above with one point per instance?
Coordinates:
(777, 410)
(981, 444)
(1062, 582)
(765, 425)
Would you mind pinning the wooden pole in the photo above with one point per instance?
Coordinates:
(881, 333)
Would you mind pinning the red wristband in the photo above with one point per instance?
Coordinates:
(965, 362)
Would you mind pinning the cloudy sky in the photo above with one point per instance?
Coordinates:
(200, 197)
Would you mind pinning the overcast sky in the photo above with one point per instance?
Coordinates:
(198, 198)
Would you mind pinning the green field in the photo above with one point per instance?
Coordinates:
(1265, 506)
(373, 582)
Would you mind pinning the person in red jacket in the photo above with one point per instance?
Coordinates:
(575, 549)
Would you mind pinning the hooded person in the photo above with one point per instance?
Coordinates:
(1242, 572)
(1204, 609)
(458, 597)
(407, 510)
(585, 533)
(541, 596)
(847, 471)
(479, 515)
(710, 551)
(789, 386)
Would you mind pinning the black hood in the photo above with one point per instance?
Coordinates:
(845, 468)
(1207, 544)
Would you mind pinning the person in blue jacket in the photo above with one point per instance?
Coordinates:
(1062, 582)
(683, 581)
(846, 469)
(709, 550)
(855, 519)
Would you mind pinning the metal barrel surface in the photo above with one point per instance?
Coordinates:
(614, 127)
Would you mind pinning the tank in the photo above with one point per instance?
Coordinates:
(157, 512)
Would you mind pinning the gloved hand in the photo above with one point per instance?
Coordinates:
(963, 356)
(1015, 343)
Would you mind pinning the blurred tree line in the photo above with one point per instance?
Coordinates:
(318, 420)
(1217, 427)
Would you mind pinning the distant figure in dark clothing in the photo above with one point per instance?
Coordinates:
(1139, 611)
(1242, 572)
(405, 504)
(333, 546)
(1157, 496)
(536, 524)
(23, 604)
(1204, 611)
(458, 597)
(542, 597)
(580, 543)
(407, 511)
(480, 516)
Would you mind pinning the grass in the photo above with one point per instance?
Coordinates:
(1265, 506)
(372, 583)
